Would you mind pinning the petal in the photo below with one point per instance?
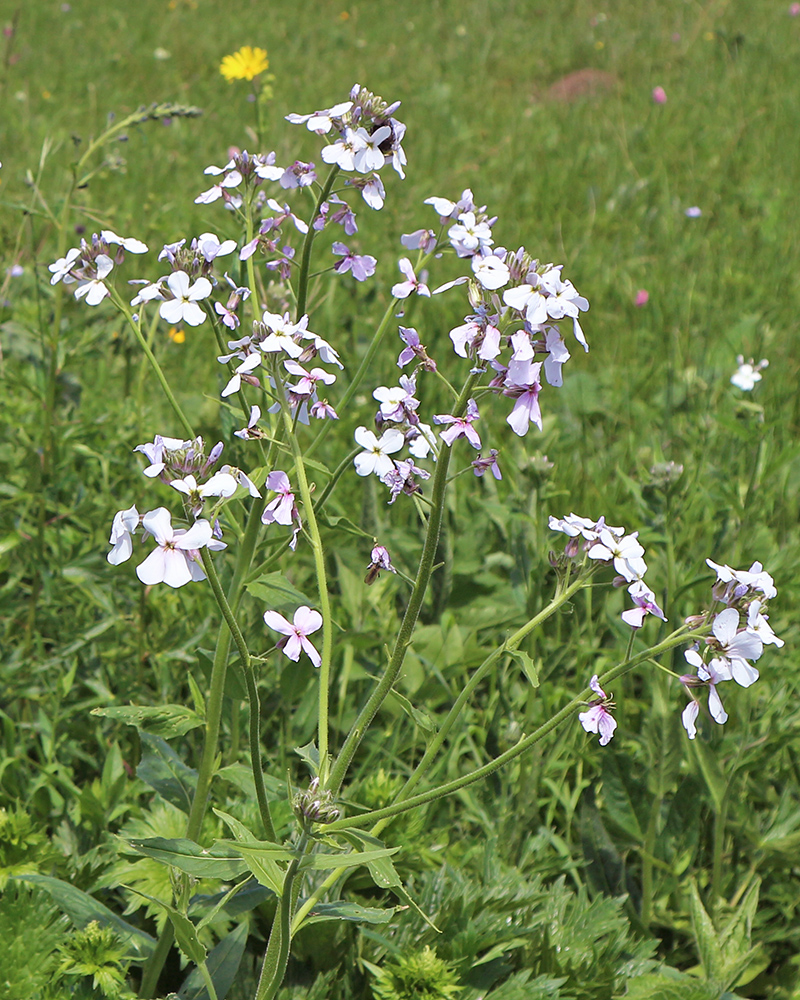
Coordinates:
(689, 717)
(277, 622)
(311, 651)
(725, 625)
(307, 620)
(152, 570)
(176, 568)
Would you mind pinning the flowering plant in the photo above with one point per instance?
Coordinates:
(283, 373)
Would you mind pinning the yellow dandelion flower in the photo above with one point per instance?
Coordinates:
(175, 335)
(244, 64)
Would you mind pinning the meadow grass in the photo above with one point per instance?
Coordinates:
(599, 183)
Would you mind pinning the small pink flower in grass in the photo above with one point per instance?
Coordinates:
(460, 426)
(642, 297)
(794, 9)
(598, 718)
(659, 95)
(305, 622)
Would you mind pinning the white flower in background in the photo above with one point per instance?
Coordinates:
(124, 525)
(748, 373)
(94, 289)
(175, 561)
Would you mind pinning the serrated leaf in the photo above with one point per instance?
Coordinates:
(705, 937)
(623, 796)
(222, 964)
(189, 857)
(165, 721)
(163, 770)
(82, 909)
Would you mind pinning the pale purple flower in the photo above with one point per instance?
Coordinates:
(525, 390)
(123, 526)
(420, 239)
(298, 175)
(281, 335)
(558, 355)
(375, 457)
(305, 622)
(219, 485)
(659, 95)
(469, 236)
(735, 648)
(62, 267)
(175, 561)
(322, 410)
(210, 247)
(708, 675)
(759, 624)
(626, 553)
(413, 349)
(642, 297)
(283, 509)
(362, 266)
(250, 363)
(157, 452)
(460, 426)
(242, 479)
(694, 212)
(645, 601)
(402, 479)
(742, 581)
(597, 718)
(94, 290)
(412, 284)
(480, 465)
(380, 559)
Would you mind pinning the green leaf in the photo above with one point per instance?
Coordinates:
(265, 869)
(705, 937)
(222, 964)
(82, 909)
(165, 721)
(422, 719)
(527, 664)
(185, 931)
(670, 985)
(276, 591)
(310, 755)
(341, 910)
(624, 797)
(163, 770)
(715, 780)
(189, 857)
(326, 862)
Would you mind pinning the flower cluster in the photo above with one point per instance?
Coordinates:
(739, 632)
(89, 265)
(738, 635)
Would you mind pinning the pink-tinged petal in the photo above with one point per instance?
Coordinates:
(307, 620)
(634, 617)
(311, 652)
(153, 569)
(594, 684)
(689, 718)
(293, 646)
(176, 568)
(472, 436)
(277, 622)
(158, 523)
(278, 482)
(725, 625)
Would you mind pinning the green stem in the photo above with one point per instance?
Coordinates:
(276, 957)
(525, 743)
(308, 242)
(252, 692)
(384, 686)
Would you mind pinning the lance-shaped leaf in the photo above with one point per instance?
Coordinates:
(222, 965)
(162, 769)
(263, 866)
(165, 721)
(187, 856)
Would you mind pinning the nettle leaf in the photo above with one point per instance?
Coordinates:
(82, 909)
(277, 592)
(189, 857)
(222, 964)
(165, 721)
(163, 770)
